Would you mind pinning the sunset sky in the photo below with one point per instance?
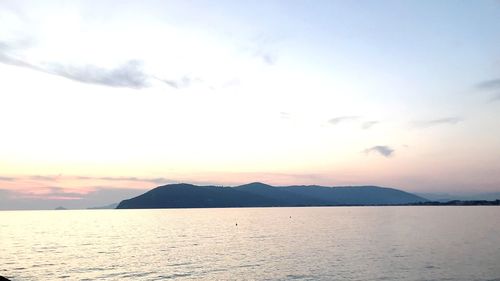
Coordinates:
(101, 100)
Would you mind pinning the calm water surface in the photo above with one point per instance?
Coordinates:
(336, 243)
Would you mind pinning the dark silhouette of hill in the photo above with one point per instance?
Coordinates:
(192, 196)
(284, 195)
(357, 195)
(262, 195)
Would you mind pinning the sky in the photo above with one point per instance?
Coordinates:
(102, 100)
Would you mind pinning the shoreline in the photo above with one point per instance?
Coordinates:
(420, 204)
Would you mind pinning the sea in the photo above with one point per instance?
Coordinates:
(304, 243)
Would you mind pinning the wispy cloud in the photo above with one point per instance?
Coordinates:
(7, 56)
(44, 178)
(52, 193)
(436, 122)
(129, 179)
(266, 57)
(183, 82)
(493, 84)
(262, 46)
(340, 119)
(129, 75)
(56, 178)
(368, 124)
(383, 150)
(7, 179)
(285, 115)
(495, 97)
(359, 120)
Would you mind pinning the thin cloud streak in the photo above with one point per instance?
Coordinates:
(128, 75)
(152, 180)
(57, 193)
(44, 178)
(340, 119)
(489, 86)
(365, 125)
(383, 150)
(267, 58)
(56, 178)
(285, 115)
(368, 124)
(495, 97)
(436, 122)
(7, 58)
(262, 46)
(183, 82)
(492, 84)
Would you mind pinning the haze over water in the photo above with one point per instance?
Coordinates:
(339, 243)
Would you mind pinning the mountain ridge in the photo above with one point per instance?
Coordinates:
(257, 194)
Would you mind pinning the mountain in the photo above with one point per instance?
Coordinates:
(284, 196)
(262, 195)
(191, 196)
(358, 195)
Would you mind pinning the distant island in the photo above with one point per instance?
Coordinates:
(263, 195)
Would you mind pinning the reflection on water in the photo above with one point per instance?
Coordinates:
(343, 243)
